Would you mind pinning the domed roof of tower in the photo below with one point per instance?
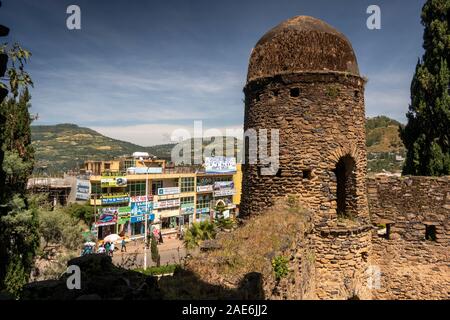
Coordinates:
(301, 44)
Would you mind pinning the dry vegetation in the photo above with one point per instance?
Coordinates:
(248, 249)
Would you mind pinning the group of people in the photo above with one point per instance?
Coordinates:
(107, 247)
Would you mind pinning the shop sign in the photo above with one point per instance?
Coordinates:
(220, 164)
(139, 208)
(166, 204)
(115, 198)
(205, 188)
(166, 191)
(187, 210)
(123, 218)
(108, 216)
(141, 198)
(141, 218)
(203, 210)
(145, 170)
(224, 192)
(82, 190)
(110, 181)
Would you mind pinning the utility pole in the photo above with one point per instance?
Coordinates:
(145, 215)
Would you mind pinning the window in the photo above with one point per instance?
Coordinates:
(278, 173)
(203, 202)
(187, 201)
(384, 231)
(275, 92)
(430, 232)
(356, 94)
(96, 188)
(155, 186)
(107, 166)
(307, 174)
(129, 163)
(295, 92)
(187, 184)
(136, 188)
(346, 187)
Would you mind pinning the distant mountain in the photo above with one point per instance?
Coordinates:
(65, 147)
(385, 148)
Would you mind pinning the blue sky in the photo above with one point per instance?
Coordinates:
(137, 70)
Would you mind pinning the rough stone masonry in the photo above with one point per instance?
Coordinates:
(303, 80)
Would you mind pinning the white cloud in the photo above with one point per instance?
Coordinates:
(154, 134)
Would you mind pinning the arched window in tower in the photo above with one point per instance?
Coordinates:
(346, 187)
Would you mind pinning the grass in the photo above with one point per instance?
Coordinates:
(152, 271)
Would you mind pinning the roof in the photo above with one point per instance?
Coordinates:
(302, 44)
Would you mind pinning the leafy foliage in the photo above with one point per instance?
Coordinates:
(154, 250)
(198, 232)
(58, 227)
(426, 135)
(280, 267)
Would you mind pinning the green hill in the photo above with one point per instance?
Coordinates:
(65, 147)
(384, 144)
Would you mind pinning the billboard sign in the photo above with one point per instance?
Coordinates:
(107, 216)
(167, 191)
(118, 181)
(82, 189)
(220, 164)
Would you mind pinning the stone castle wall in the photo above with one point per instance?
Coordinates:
(411, 266)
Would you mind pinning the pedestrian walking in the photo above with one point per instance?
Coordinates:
(124, 245)
(107, 245)
(111, 249)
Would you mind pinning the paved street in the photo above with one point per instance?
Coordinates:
(171, 252)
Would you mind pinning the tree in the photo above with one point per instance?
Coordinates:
(154, 250)
(19, 238)
(427, 133)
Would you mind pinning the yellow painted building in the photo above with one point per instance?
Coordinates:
(172, 196)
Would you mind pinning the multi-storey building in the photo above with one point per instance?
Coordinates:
(136, 187)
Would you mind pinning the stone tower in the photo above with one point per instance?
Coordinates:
(303, 80)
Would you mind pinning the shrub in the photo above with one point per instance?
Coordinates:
(198, 232)
(280, 266)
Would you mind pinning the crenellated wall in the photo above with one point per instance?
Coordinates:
(411, 266)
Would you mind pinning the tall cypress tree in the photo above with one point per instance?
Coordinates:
(19, 238)
(427, 133)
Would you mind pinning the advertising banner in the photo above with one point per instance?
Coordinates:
(220, 164)
(166, 204)
(223, 185)
(224, 192)
(115, 198)
(139, 208)
(82, 190)
(107, 216)
(144, 170)
(187, 209)
(166, 191)
(224, 188)
(205, 188)
(118, 181)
